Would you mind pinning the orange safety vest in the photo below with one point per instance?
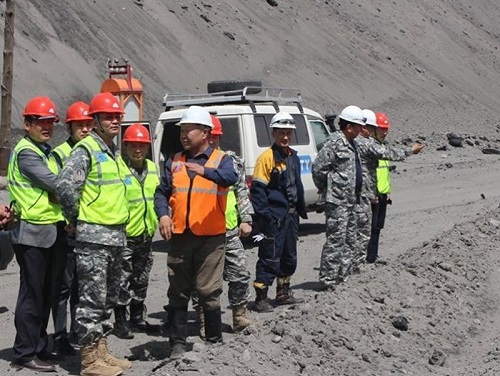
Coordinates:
(198, 204)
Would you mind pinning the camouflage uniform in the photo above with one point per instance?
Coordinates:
(334, 173)
(370, 152)
(137, 259)
(235, 268)
(99, 251)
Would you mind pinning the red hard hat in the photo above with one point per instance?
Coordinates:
(217, 129)
(42, 107)
(78, 111)
(382, 120)
(105, 102)
(136, 133)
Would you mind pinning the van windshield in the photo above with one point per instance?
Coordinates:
(263, 130)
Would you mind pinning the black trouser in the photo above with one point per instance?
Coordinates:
(34, 300)
(379, 210)
(66, 289)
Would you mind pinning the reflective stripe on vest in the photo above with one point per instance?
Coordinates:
(383, 177)
(140, 198)
(197, 203)
(32, 203)
(103, 198)
(63, 151)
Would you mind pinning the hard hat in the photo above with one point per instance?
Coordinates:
(106, 103)
(371, 119)
(353, 114)
(382, 120)
(78, 111)
(196, 115)
(136, 133)
(330, 114)
(217, 129)
(283, 120)
(41, 107)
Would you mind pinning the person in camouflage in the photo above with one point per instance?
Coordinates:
(337, 171)
(371, 152)
(138, 255)
(79, 124)
(92, 196)
(239, 213)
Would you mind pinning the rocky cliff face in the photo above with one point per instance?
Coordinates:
(426, 64)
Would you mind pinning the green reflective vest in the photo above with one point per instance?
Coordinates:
(103, 200)
(143, 219)
(231, 210)
(32, 203)
(63, 151)
(383, 177)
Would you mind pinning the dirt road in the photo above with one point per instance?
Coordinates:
(428, 280)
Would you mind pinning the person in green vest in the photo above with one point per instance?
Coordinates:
(92, 195)
(37, 235)
(79, 125)
(138, 257)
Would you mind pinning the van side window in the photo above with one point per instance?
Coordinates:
(171, 143)
(230, 140)
(320, 133)
(263, 130)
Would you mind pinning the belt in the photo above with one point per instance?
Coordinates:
(292, 210)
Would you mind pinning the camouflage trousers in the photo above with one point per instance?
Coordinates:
(99, 275)
(235, 271)
(364, 222)
(338, 251)
(136, 266)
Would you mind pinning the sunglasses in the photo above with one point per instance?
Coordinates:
(285, 121)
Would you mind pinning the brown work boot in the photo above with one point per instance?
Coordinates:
(240, 319)
(284, 293)
(105, 355)
(92, 365)
(201, 318)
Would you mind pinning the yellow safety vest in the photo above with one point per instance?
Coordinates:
(63, 151)
(32, 203)
(140, 198)
(383, 177)
(231, 210)
(103, 198)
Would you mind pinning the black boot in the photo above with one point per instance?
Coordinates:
(137, 322)
(262, 303)
(213, 325)
(284, 293)
(121, 329)
(177, 319)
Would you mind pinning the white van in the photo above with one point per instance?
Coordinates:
(245, 115)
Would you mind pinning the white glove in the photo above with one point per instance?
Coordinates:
(259, 237)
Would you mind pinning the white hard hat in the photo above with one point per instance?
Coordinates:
(283, 120)
(196, 115)
(371, 119)
(353, 114)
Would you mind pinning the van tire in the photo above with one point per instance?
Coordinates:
(219, 86)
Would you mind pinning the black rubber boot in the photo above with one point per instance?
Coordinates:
(213, 326)
(177, 319)
(121, 329)
(262, 303)
(284, 294)
(137, 322)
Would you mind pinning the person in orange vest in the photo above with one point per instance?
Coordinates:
(239, 213)
(190, 203)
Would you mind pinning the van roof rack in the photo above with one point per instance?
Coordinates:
(249, 95)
